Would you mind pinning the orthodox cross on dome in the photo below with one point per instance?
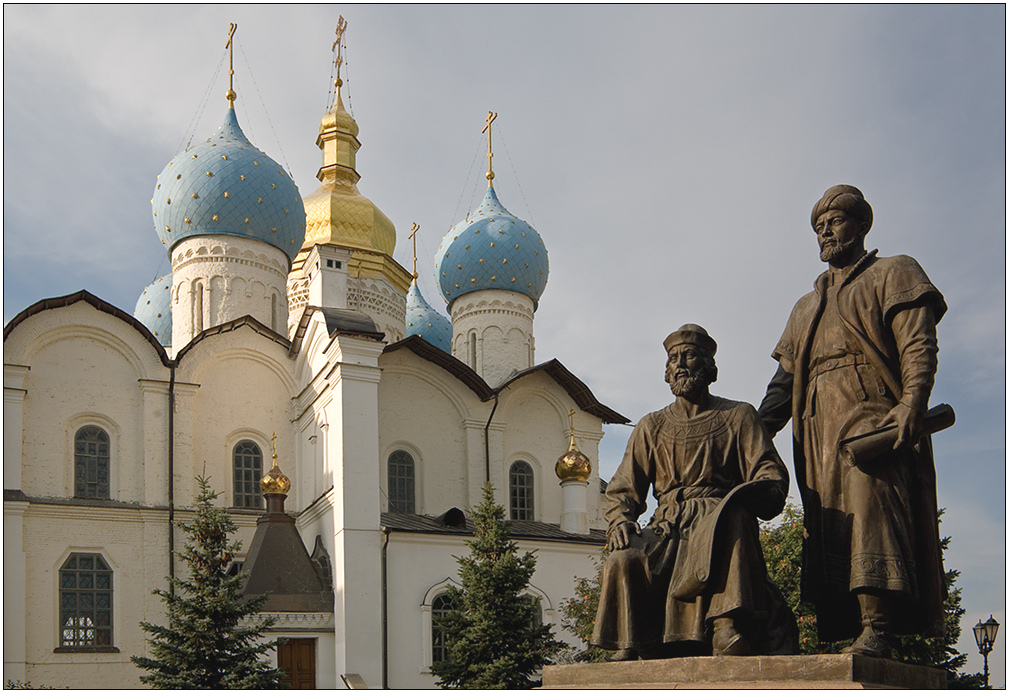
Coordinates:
(274, 439)
(414, 228)
(230, 45)
(341, 26)
(490, 151)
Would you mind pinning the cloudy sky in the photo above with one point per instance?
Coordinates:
(668, 155)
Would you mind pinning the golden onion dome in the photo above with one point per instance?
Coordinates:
(275, 481)
(573, 464)
(337, 213)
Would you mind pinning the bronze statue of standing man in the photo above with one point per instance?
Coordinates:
(860, 353)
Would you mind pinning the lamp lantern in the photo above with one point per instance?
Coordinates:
(985, 634)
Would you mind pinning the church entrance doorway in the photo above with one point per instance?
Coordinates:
(297, 658)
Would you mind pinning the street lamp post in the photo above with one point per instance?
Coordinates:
(985, 634)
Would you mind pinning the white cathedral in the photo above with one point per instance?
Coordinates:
(287, 331)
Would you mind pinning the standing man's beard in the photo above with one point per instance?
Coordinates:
(835, 249)
(689, 386)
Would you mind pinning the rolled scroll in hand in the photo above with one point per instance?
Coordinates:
(861, 449)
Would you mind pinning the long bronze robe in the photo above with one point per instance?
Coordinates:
(852, 349)
(708, 474)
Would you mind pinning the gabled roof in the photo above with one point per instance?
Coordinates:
(520, 529)
(578, 390)
(340, 320)
(98, 304)
(230, 326)
(466, 375)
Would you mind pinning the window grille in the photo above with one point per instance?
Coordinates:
(520, 484)
(91, 463)
(441, 606)
(248, 464)
(402, 483)
(85, 602)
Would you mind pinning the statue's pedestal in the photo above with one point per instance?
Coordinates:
(796, 671)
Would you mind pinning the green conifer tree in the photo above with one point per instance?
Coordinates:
(204, 645)
(578, 615)
(492, 636)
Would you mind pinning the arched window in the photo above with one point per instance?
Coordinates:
(520, 486)
(441, 605)
(85, 602)
(472, 350)
(402, 483)
(91, 463)
(248, 464)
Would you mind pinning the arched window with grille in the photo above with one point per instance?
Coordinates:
(248, 466)
(520, 490)
(91, 463)
(441, 605)
(402, 482)
(85, 602)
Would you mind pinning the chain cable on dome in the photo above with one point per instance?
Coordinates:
(466, 185)
(190, 131)
(269, 121)
(515, 175)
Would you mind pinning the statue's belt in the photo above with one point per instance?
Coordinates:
(835, 363)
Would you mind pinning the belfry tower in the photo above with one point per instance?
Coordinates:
(346, 258)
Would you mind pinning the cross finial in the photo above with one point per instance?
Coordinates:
(274, 448)
(490, 151)
(230, 45)
(571, 418)
(414, 228)
(341, 26)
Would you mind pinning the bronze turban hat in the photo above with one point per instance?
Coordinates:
(848, 199)
(691, 334)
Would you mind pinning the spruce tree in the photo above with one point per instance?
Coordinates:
(203, 645)
(492, 637)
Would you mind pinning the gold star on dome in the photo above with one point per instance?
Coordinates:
(193, 156)
(481, 261)
(492, 244)
(214, 217)
(209, 174)
(187, 220)
(195, 196)
(504, 261)
(247, 221)
(274, 185)
(255, 163)
(224, 156)
(227, 194)
(259, 200)
(242, 176)
(169, 200)
(178, 176)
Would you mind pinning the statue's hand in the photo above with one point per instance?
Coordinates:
(909, 423)
(619, 536)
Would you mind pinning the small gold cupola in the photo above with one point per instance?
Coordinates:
(573, 464)
(275, 481)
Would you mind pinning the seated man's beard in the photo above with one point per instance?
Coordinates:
(688, 386)
(836, 249)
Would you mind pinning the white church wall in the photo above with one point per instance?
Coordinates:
(245, 385)
(86, 367)
(421, 410)
(420, 567)
(534, 412)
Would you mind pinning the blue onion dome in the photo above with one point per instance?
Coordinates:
(424, 320)
(491, 249)
(154, 309)
(227, 186)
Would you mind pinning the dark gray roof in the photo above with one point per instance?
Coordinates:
(520, 529)
(337, 320)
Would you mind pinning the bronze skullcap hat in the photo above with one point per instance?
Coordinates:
(691, 334)
(848, 199)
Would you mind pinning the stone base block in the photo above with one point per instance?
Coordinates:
(796, 671)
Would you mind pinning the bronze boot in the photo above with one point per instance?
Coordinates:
(873, 641)
(726, 640)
